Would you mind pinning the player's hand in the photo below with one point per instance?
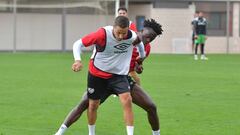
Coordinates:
(206, 37)
(77, 66)
(138, 68)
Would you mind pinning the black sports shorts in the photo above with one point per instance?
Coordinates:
(99, 87)
(110, 92)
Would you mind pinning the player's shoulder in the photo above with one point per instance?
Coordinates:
(108, 28)
(204, 19)
(132, 26)
(192, 22)
(105, 30)
(196, 19)
(101, 32)
(132, 23)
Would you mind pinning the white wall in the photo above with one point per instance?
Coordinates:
(43, 31)
(38, 32)
(235, 40)
(139, 10)
(80, 25)
(176, 25)
(6, 32)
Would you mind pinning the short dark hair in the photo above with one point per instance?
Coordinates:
(151, 23)
(197, 12)
(121, 21)
(122, 8)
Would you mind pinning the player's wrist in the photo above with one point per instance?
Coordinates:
(140, 60)
(78, 61)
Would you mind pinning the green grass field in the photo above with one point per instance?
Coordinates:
(37, 90)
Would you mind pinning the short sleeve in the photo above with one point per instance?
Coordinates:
(98, 37)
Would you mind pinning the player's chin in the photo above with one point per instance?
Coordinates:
(119, 39)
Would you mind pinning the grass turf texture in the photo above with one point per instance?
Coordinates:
(37, 90)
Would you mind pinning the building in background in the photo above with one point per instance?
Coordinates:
(175, 15)
(48, 25)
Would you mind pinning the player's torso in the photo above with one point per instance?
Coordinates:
(201, 25)
(115, 57)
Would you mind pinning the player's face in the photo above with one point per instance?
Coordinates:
(148, 35)
(196, 15)
(120, 33)
(201, 14)
(122, 13)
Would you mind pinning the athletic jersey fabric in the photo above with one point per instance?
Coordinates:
(109, 56)
(200, 26)
(135, 53)
(132, 26)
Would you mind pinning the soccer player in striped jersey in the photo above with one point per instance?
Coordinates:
(200, 30)
(122, 11)
(139, 97)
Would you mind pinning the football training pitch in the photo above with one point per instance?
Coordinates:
(37, 90)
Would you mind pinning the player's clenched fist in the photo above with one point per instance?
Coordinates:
(77, 66)
(138, 68)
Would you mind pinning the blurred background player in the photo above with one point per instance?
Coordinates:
(196, 14)
(200, 30)
(139, 96)
(122, 11)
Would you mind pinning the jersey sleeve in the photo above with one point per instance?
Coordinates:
(98, 37)
(147, 49)
(133, 27)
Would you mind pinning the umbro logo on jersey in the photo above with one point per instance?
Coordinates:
(122, 46)
(90, 90)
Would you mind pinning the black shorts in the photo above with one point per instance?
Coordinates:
(110, 92)
(131, 82)
(99, 87)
